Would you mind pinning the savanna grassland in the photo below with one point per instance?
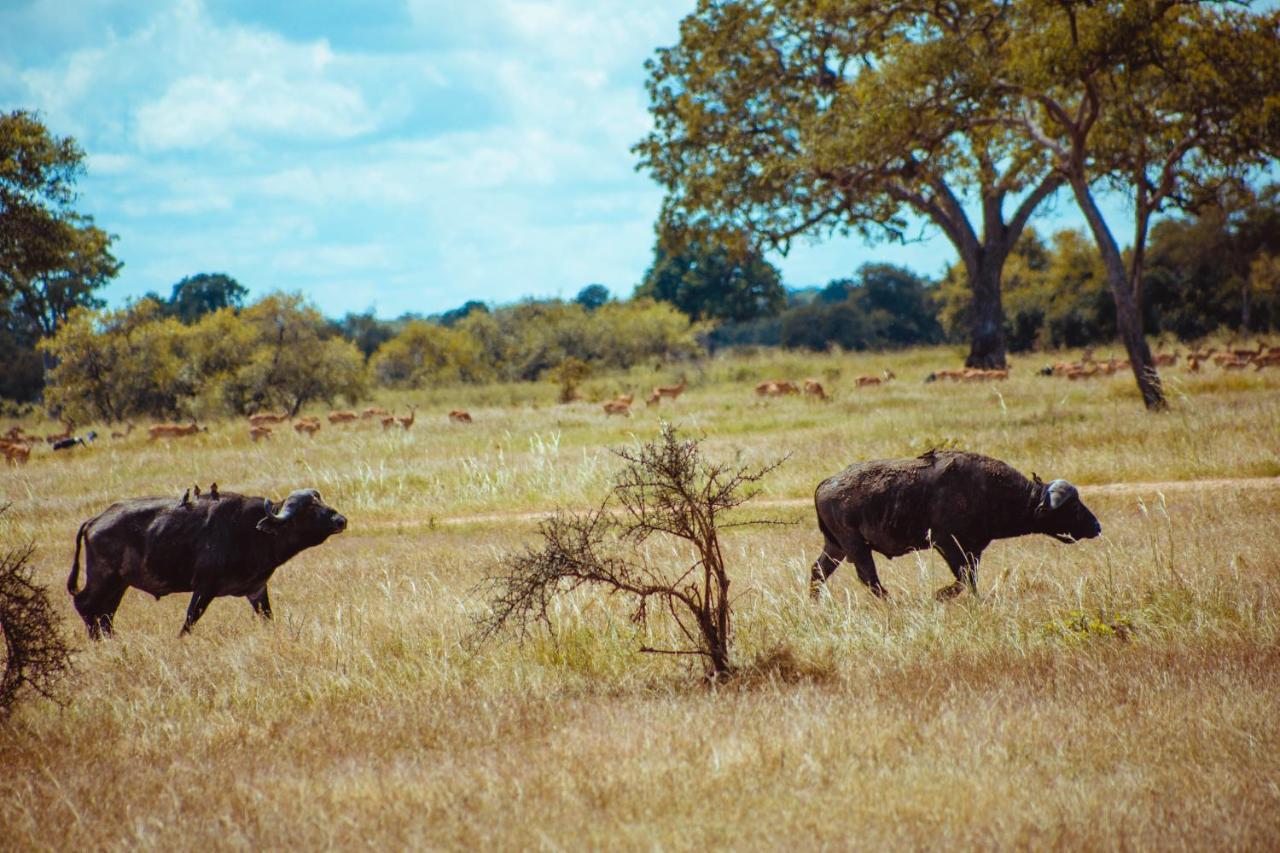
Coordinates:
(1121, 692)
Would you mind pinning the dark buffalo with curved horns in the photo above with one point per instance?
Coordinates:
(952, 501)
(218, 544)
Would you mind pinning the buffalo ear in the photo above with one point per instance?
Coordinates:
(1035, 478)
(268, 524)
(1042, 507)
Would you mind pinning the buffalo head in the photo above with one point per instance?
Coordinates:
(305, 515)
(1062, 515)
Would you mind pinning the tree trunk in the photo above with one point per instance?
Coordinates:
(1244, 306)
(1128, 312)
(986, 316)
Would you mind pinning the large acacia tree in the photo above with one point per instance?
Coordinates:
(785, 120)
(1165, 102)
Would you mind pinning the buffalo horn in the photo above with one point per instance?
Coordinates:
(286, 509)
(1059, 492)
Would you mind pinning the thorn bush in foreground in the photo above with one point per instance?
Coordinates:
(665, 488)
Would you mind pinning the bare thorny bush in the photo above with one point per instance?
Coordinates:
(35, 655)
(665, 488)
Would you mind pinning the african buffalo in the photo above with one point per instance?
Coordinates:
(952, 501)
(218, 544)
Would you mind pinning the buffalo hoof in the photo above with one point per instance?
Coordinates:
(949, 592)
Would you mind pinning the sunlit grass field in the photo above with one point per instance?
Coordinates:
(1121, 692)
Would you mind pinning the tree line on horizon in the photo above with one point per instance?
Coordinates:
(205, 350)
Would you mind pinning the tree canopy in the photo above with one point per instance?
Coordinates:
(52, 258)
(776, 121)
(1166, 102)
(709, 282)
(592, 296)
(197, 295)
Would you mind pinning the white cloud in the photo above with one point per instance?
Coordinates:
(101, 163)
(183, 81)
(485, 157)
(204, 111)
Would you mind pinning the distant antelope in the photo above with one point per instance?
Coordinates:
(342, 417)
(259, 432)
(617, 407)
(16, 452)
(672, 391)
(408, 422)
(172, 430)
(458, 416)
(813, 388)
(309, 427)
(374, 412)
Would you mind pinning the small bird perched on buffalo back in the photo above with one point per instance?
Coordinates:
(952, 501)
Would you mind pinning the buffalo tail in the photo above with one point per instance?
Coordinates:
(74, 578)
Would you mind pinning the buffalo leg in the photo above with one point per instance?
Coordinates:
(963, 564)
(97, 604)
(261, 603)
(825, 566)
(866, 566)
(199, 601)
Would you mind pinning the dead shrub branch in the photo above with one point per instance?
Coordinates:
(664, 488)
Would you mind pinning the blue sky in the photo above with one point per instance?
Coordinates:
(400, 155)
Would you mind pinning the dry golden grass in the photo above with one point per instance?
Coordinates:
(1117, 693)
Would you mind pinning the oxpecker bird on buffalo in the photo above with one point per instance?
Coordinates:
(952, 501)
(214, 545)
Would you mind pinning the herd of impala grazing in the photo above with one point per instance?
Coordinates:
(17, 444)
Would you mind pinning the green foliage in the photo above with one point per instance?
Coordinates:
(1163, 103)
(592, 296)
(22, 378)
(425, 354)
(885, 307)
(708, 281)
(453, 316)
(139, 362)
(569, 374)
(52, 259)
(296, 359)
(1054, 297)
(197, 295)
(116, 364)
(366, 331)
(786, 120)
(1216, 269)
(522, 342)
